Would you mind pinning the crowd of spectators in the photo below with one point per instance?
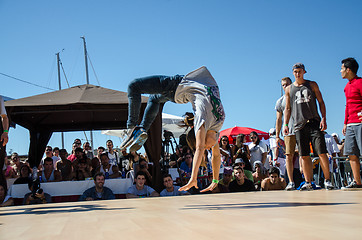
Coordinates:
(244, 168)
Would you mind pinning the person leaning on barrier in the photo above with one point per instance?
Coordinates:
(170, 189)
(36, 195)
(241, 183)
(274, 181)
(139, 189)
(99, 191)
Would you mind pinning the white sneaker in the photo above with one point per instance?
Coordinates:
(328, 185)
(306, 187)
(290, 186)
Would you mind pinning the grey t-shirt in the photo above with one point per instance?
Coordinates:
(280, 106)
(201, 90)
(145, 192)
(175, 192)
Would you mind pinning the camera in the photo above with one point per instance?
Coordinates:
(36, 188)
(167, 134)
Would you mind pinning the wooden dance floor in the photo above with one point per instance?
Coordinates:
(259, 215)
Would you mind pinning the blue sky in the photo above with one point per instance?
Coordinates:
(247, 45)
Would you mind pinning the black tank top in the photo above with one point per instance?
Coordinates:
(303, 104)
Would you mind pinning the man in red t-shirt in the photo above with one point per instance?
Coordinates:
(353, 119)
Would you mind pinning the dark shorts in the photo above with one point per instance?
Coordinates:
(353, 142)
(310, 133)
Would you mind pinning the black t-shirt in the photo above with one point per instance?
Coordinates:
(246, 187)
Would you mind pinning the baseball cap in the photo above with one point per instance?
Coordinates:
(239, 160)
(299, 65)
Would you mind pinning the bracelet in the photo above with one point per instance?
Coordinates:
(6, 131)
(215, 181)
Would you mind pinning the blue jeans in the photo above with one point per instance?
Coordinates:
(161, 89)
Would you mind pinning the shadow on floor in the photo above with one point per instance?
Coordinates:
(256, 205)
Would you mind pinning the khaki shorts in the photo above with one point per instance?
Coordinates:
(290, 143)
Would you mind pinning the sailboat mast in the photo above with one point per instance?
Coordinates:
(60, 88)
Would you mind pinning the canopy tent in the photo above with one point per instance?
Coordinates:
(169, 123)
(231, 133)
(84, 107)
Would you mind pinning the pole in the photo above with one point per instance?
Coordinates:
(87, 78)
(60, 88)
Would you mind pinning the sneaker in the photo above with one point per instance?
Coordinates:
(328, 185)
(132, 136)
(352, 186)
(139, 141)
(290, 187)
(306, 187)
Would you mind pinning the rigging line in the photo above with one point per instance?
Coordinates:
(26, 81)
(65, 76)
(93, 68)
(51, 72)
(75, 62)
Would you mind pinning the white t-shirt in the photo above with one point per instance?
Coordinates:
(201, 90)
(256, 152)
(113, 158)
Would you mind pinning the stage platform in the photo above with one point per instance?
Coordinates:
(257, 215)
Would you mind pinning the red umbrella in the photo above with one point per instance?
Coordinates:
(231, 133)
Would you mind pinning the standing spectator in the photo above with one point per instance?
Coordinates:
(25, 175)
(16, 164)
(112, 154)
(4, 130)
(98, 192)
(332, 150)
(96, 161)
(88, 150)
(38, 196)
(339, 144)
(125, 161)
(241, 183)
(72, 157)
(301, 103)
(170, 189)
(352, 128)
(225, 150)
(49, 174)
(139, 189)
(142, 166)
(241, 150)
(176, 158)
(258, 150)
(56, 152)
(8, 170)
(49, 154)
(5, 200)
(109, 170)
(274, 181)
(64, 166)
(290, 141)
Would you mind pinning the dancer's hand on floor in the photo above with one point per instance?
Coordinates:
(190, 184)
(210, 187)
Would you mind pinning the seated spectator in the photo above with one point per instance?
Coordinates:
(186, 165)
(274, 181)
(64, 166)
(82, 171)
(49, 174)
(16, 164)
(241, 163)
(79, 154)
(25, 175)
(260, 174)
(109, 170)
(36, 195)
(8, 170)
(241, 183)
(5, 200)
(98, 192)
(56, 152)
(227, 177)
(139, 189)
(142, 166)
(170, 189)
